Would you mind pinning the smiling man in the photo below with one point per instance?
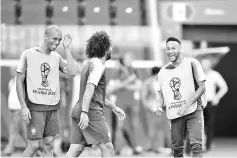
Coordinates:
(38, 89)
(184, 106)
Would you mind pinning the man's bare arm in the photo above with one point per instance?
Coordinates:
(71, 64)
(109, 104)
(199, 92)
(159, 101)
(119, 112)
(89, 92)
(20, 79)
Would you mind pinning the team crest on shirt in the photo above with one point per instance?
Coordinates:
(175, 84)
(45, 69)
(33, 131)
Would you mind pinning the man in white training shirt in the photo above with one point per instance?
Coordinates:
(38, 89)
(184, 107)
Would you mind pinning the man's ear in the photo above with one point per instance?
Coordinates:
(45, 36)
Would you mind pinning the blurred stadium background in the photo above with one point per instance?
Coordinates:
(139, 27)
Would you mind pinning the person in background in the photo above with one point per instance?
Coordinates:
(128, 99)
(156, 128)
(216, 88)
(17, 126)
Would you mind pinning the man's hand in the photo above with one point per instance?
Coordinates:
(84, 120)
(183, 110)
(120, 113)
(159, 111)
(67, 41)
(25, 114)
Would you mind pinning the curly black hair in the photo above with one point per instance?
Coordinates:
(98, 44)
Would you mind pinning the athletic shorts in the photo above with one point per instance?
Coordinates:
(43, 124)
(97, 132)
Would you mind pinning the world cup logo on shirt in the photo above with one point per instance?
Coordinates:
(175, 85)
(45, 69)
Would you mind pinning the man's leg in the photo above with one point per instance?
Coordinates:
(48, 146)
(210, 126)
(31, 148)
(132, 120)
(13, 131)
(195, 127)
(77, 140)
(35, 130)
(75, 150)
(51, 129)
(207, 124)
(178, 133)
(107, 149)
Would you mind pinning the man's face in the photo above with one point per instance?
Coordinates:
(206, 64)
(108, 53)
(173, 49)
(53, 39)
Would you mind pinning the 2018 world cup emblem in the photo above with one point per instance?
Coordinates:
(45, 69)
(175, 85)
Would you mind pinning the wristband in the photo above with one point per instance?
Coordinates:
(85, 112)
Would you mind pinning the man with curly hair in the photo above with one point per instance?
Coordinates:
(88, 121)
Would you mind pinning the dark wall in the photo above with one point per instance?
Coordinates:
(226, 114)
(217, 36)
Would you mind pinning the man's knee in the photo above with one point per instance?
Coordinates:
(49, 142)
(75, 150)
(107, 149)
(34, 145)
(110, 147)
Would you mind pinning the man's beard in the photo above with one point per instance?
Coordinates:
(108, 56)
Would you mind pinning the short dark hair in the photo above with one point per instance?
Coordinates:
(98, 44)
(173, 39)
(155, 70)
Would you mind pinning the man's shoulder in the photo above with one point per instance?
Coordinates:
(192, 60)
(95, 63)
(165, 67)
(213, 73)
(54, 53)
(30, 51)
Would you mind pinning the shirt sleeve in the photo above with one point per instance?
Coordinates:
(96, 70)
(62, 64)
(22, 66)
(198, 71)
(158, 86)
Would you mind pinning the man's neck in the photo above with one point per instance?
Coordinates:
(178, 61)
(103, 60)
(44, 49)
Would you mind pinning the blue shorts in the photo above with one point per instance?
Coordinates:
(43, 124)
(97, 132)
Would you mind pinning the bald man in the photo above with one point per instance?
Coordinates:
(38, 89)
